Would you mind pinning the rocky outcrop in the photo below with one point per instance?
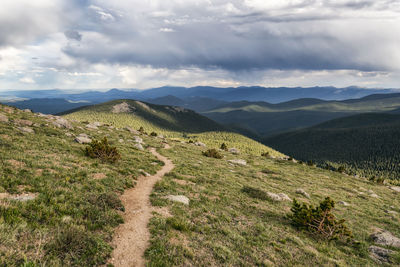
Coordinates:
(83, 139)
(385, 238)
(178, 198)
(302, 192)
(238, 162)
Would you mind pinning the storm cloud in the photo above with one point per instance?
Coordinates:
(238, 40)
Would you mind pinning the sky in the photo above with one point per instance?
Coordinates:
(89, 44)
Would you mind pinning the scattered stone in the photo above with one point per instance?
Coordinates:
(278, 197)
(233, 150)
(386, 238)
(62, 123)
(23, 122)
(8, 110)
(138, 146)
(92, 126)
(121, 140)
(154, 163)
(97, 124)
(27, 110)
(392, 212)
(137, 139)
(200, 144)
(302, 192)
(381, 255)
(238, 162)
(26, 129)
(3, 118)
(129, 129)
(144, 173)
(69, 134)
(394, 188)
(374, 195)
(284, 197)
(24, 197)
(344, 203)
(83, 139)
(122, 108)
(179, 198)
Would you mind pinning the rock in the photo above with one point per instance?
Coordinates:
(3, 118)
(138, 146)
(178, 198)
(26, 129)
(69, 134)
(62, 123)
(374, 195)
(83, 139)
(97, 124)
(144, 173)
(137, 139)
(92, 126)
(27, 110)
(121, 140)
(379, 254)
(344, 203)
(129, 129)
(238, 162)
(23, 122)
(24, 197)
(385, 238)
(200, 144)
(278, 197)
(8, 110)
(392, 212)
(122, 108)
(284, 197)
(394, 188)
(302, 192)
(233, 150)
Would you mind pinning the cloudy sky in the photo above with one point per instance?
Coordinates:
(88, 44)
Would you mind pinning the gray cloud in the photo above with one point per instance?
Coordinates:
(73, 35)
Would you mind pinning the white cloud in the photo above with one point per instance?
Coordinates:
(28, 80)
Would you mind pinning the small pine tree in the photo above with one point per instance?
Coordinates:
(212, 153)
(102, 150)
(320, 220)
(224, 147)
(141, 129)
(153, 134)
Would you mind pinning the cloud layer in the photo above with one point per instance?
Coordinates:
(146, 43)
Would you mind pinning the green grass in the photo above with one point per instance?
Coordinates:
(72, 219)
(231, 222)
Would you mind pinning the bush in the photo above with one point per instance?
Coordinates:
(141, 129)
(320, 220)
(341, 169)
(153, 134)
(224, 147)
(212, 153)
(265, 154)
(310, 163)
(102, 150)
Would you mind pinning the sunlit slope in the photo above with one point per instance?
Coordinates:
(169, 121)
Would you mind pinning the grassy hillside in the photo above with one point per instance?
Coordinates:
(172, 122)
(60, 208)
(367, 144)
(269, 119)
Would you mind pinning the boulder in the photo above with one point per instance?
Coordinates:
(26, 129)
(27, 110)
(233, 150)
(395, 188)
(3, 118)
(138, 140)
(381, 255)
(278, 197)
(343, 203)
(62, 123)
(200, 144)
(133, 131)
(302, 192)
(385, 238)
(178, 198)
(23, 122)
(92, 126)
(83, 139)
(138, 146)
(238, 162)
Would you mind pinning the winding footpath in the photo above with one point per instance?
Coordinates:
(132, 238)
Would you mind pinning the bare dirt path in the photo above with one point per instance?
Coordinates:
(131, 238)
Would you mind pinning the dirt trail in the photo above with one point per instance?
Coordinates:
(131, 238)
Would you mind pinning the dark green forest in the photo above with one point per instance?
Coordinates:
(365, 144)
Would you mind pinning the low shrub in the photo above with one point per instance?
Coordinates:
(153, 134)
(141, 129)
(320, 220)
(102, 150)
(212, 153)
(265, 154)
(224, 147)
